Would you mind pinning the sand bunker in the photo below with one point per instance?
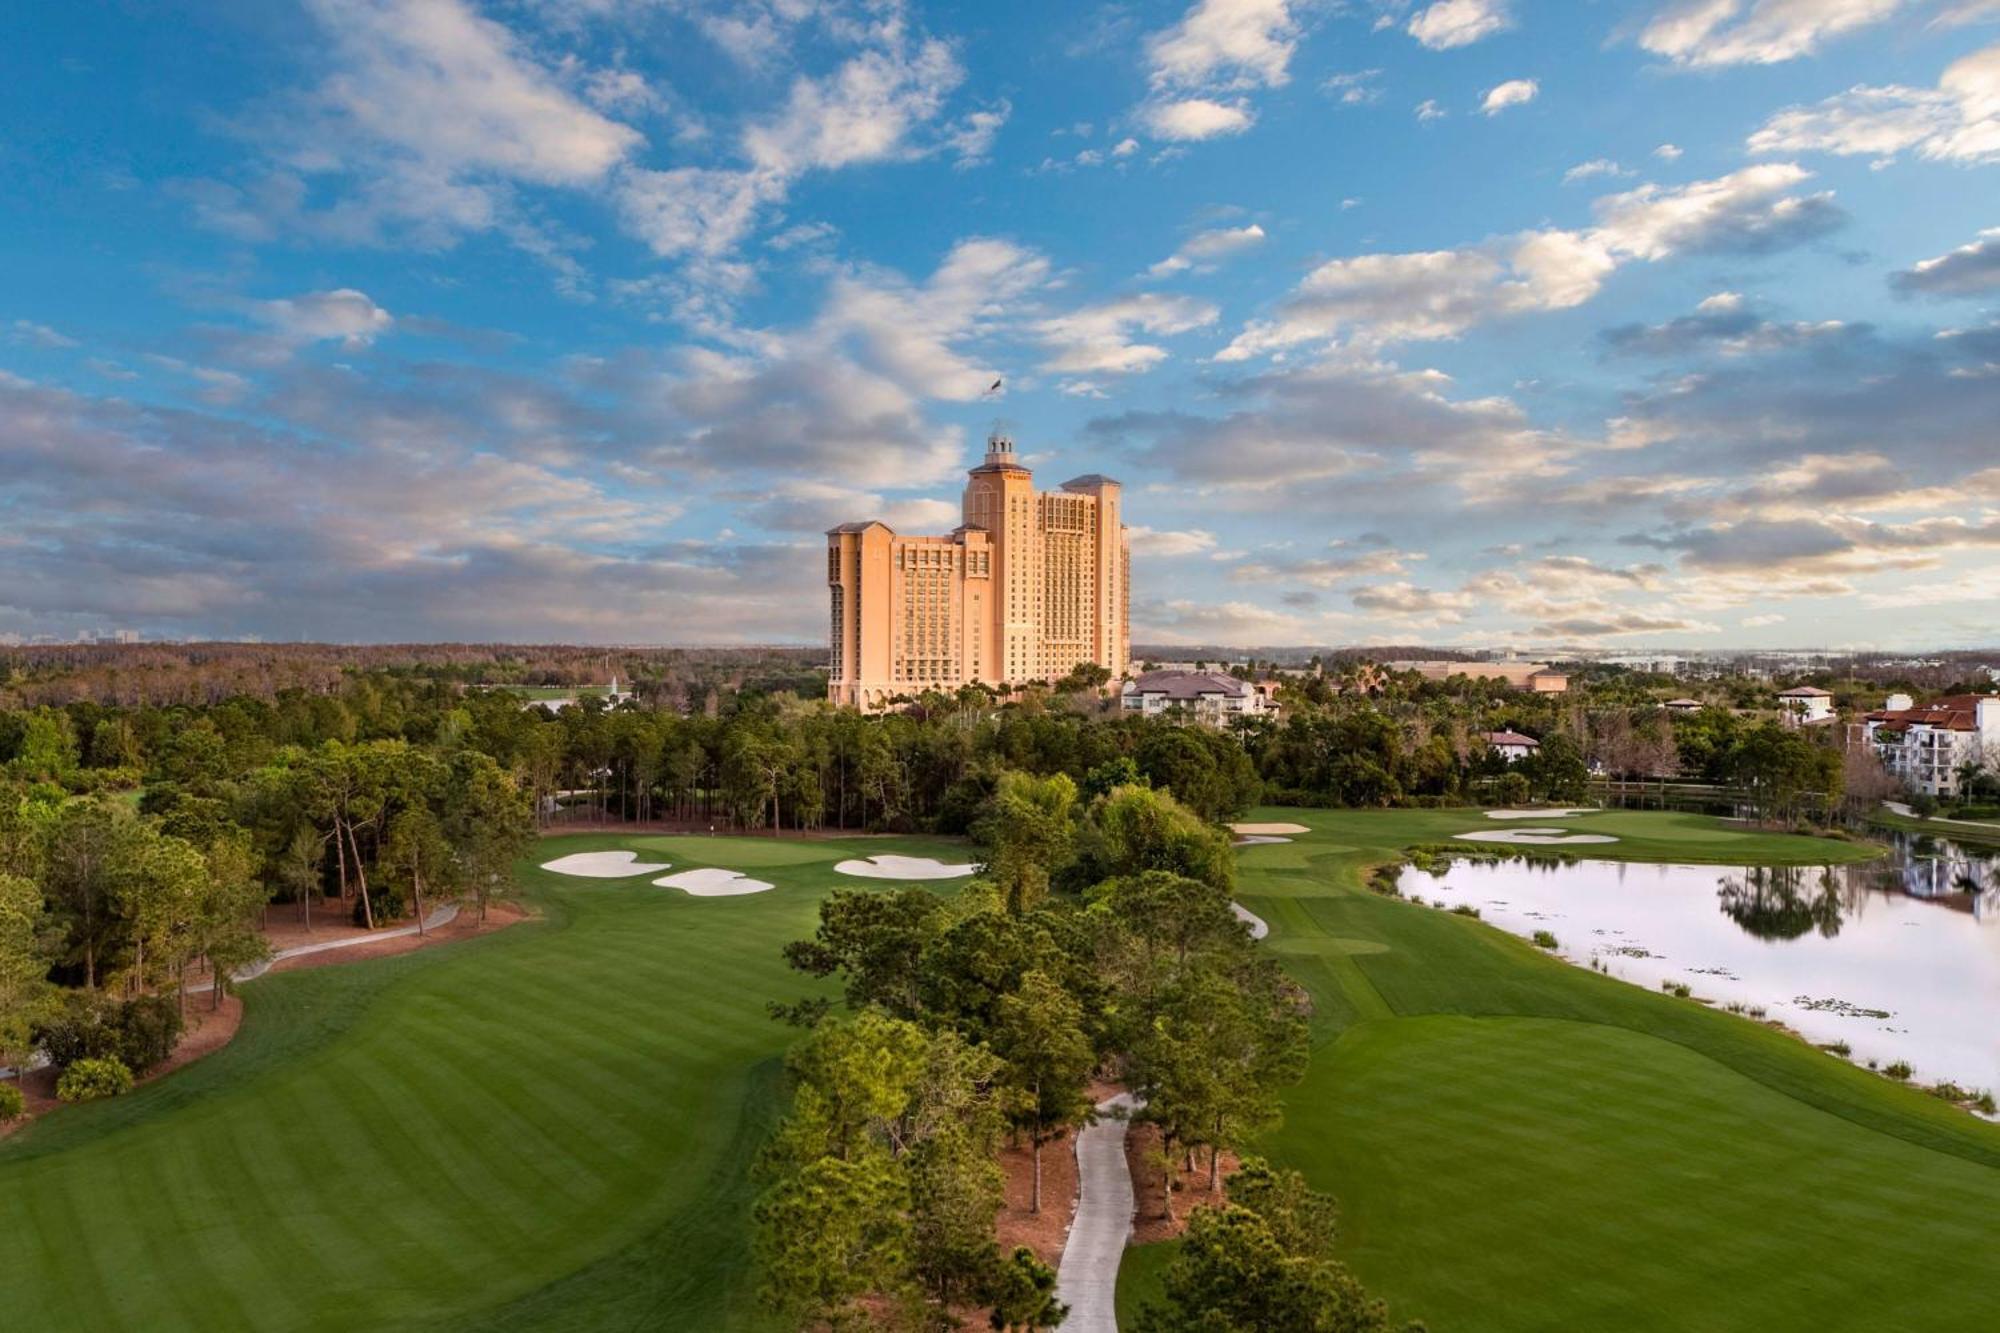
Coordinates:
(1563, 812)
(1539, 837)
(603, 865)
(708, 883)
(1254, 830)
(1258, 840)
(1258, 927)
(904, 867)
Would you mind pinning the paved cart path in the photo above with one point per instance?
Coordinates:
(1087, 1278)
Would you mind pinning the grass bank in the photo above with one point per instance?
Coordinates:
(1518, 1143)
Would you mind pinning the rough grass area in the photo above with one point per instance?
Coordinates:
(550, 1127)
(1518, 1143)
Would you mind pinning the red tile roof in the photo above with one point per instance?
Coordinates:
(1956, 712)
(1511, 738)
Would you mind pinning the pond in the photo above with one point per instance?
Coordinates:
(1899, 958)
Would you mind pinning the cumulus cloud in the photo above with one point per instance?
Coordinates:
(1200, 250)
(867, 110)
(1199, 69)
(1970, 270)
(1725, 323)
(1196, 118)
(1704, 33)
(1956, 122)
(1382, 298)
(1514, 92)
(1169, 544)
(1097, 339)
(342, 315)
(1454, 23)
(1596, 166)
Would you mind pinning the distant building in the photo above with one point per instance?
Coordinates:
(1208, 697)
(1806, 705)
(1512, 746)
(1678, 706)
(1924, 747)
(1536, 677)
(1029, 586)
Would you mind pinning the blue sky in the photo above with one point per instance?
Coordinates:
(1484, 321)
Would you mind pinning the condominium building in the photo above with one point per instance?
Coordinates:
(1211, 698)
(1924, 748)
(1535, 677)
(1030, 585)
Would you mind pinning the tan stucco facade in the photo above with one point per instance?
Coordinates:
(1029, 586)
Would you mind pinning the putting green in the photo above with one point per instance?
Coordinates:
(1518, 1143)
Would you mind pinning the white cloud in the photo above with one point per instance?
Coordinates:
(1356, 88)
(1197, 118)
(1168, 544)
(1232, 44)
(1970, 270)
(1596, 166)
(461, 93)
(867, 110)
(343, 314)
(1098, 339)
(1454, 23)
(1382, 298)
(39, 335)
(1514, 92)
(971, 139)
(1701, 33)
(1199, 69)
(1125, 148)
(1216, 243)
(1428, 110)
(1958, 121)
(1667, 152)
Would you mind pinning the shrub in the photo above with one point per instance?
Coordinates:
(1984, 1102)
(1899, 1071)
(148, 1029)
(12, 1103)
(1839, 1048)
(1465, 909)
(1544, 940)
(138, 1033)
(94, 1077)
(1678, 989)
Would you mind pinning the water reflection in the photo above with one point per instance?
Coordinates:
(1898, 958)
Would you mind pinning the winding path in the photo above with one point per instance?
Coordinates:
(439, 916)
(1259, 927)
(1087, 1277)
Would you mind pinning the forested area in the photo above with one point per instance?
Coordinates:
(1098, 943)
(143, 843)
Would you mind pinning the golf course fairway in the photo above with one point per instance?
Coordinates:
(552, 1127)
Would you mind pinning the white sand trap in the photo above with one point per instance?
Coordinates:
(1539, 837)
(1254, 830)
(1565, 812)
(1258, 840)
(709, 883)
(603, 865)
(1258, 927)
(904, 867)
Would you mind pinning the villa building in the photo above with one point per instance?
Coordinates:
(1924, 748)
(1806, 705)
(1207, 697)
(1513, 746)
(1030, 585)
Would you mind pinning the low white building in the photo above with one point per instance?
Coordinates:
(1807, 704)
(1208, 697)
(1924, 747)
(1513, 746)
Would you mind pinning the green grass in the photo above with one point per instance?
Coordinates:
(550, 1127)
(1518, 1143)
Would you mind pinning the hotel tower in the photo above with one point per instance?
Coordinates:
(1031, 584)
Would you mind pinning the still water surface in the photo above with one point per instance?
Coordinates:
(1899, 958)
